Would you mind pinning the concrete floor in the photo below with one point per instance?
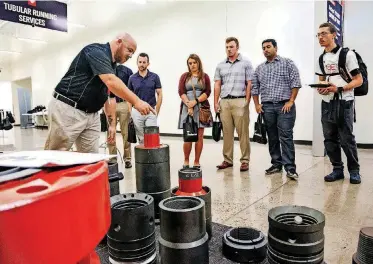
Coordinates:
(244, 198)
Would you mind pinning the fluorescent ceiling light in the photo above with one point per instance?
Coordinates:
(75, 25)
(140, 1)
(33, 40)
(10, 52)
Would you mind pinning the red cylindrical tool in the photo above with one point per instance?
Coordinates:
(151, 137)
(190, 182)
(55, 216)
(92, 258)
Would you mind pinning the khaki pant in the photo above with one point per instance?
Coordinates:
(123, 115)
(68, 125)
(234, 113)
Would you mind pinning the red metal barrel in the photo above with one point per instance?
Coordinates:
(151, 137)
(190, 182)
(55, 216)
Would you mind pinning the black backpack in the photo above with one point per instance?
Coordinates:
(358, 91)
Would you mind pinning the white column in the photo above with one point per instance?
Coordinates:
(318, 149)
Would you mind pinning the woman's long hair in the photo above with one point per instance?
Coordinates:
(200, 69)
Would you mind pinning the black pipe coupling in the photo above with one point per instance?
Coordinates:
(245, 245)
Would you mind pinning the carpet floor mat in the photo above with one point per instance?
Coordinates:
(215, 247)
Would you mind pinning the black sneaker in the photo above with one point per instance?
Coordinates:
(355, 178)
(292, 174)
(335, 175)
(128, 164)
(274, 169)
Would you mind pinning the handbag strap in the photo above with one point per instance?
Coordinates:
(194, 90)
(190, 119)
(260, 118)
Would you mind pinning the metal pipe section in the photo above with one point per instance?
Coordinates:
(183, 237)
(153, 174)
(295, 235)
(131, 237)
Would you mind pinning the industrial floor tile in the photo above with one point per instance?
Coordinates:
(244, 198)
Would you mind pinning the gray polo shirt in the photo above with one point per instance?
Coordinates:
(234, 76)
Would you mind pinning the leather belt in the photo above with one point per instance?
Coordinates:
(233, 97)
(68, 101)
(278, 102)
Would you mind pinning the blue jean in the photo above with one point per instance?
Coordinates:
(280, 134)
(337, 137)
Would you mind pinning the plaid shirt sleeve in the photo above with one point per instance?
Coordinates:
(255, 83)
(294, 75)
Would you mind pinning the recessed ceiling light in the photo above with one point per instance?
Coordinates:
(10, 51)
(142, 2)
(75, 25)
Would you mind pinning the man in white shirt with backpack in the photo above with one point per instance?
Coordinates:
(340, 69)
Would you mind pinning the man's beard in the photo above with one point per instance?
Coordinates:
(118, 58)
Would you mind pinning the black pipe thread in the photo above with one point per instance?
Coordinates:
(364, 254)
(183, 238)
(131, 237)
(207, 198)
(244, 245)
(295, 234)
(151, 130)
(153, 174)
(114, 177)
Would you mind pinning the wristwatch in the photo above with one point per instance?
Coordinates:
(340, 89)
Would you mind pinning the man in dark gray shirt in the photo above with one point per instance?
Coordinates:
(84, 90)
(277, 82)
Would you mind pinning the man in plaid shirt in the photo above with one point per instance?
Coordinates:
(277, 81)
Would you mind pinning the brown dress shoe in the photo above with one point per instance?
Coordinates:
(224, 165)
(244, 167)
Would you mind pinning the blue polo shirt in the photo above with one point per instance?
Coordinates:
(124, 74)
(144, 87)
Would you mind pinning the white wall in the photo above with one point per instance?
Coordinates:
(6, 96)
(318, 148)
(359, 36)
(5, 74)
(171, 34)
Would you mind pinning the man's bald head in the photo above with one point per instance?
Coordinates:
(127, 38)
(123, 47)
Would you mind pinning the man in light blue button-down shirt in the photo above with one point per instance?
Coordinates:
(233, 85)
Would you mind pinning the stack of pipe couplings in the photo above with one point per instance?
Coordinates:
(153, 168)
(190, 184)
(183, 238)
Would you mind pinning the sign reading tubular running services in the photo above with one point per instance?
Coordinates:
(45, 14)
(335, 16)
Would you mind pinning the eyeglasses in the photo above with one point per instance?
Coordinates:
(130, 50)
(322, 34)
